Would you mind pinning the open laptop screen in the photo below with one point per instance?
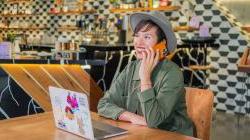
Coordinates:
(71, 112)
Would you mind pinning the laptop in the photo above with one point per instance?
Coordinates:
(71, 113)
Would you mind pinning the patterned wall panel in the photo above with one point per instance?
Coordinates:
(224, 79)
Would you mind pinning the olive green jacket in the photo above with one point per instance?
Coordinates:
(163, 106)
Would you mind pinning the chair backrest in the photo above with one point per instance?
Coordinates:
(199, 108)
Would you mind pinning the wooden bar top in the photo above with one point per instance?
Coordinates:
(41, 127)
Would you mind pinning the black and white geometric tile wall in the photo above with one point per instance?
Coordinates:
(228, 85)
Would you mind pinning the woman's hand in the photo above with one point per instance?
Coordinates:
(133, 118)
(149, 61)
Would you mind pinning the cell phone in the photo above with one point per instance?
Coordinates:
(161, 47)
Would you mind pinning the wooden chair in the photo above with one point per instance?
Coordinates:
(199, 108)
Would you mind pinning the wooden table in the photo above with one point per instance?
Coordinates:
(41, 127)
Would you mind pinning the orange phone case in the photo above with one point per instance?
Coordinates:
(161, 47)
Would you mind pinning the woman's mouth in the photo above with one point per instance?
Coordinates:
(140, 50)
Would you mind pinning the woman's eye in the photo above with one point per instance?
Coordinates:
(147, 37)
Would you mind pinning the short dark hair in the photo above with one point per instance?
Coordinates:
(149, 24)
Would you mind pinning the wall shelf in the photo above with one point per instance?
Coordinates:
(35, 45)
(165, 8)
(184, 28)
(17, 1)
(28, 28)
(16, 15)
(73, 12)
(69, 51)
(246, 28)
(68, 28)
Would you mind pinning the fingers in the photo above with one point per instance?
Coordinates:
(148, 55)
(156, 58)
(140, 123)
(149, 60)
(152, 56)
(144, 56)
(138, 120)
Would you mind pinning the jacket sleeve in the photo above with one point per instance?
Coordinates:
(158, 107)
(111, 105)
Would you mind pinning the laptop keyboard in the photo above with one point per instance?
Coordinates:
(99, 132)
(102, 130)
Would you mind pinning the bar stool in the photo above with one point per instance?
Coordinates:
(199, 43)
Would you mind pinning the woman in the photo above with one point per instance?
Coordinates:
(148, 91)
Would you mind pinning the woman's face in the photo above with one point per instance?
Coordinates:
(144, 39)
